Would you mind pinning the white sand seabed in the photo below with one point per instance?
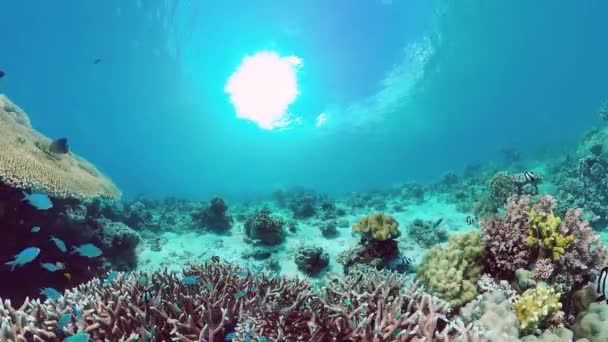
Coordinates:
(191, 247)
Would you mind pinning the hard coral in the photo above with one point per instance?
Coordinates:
(535, 306)
(543, 233)
(451, 272)
(427, 233)
(26, 162)
(311, 260)
(367, 306)
(266, 228)
(215, 216)
(377, 227)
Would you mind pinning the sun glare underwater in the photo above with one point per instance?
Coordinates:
(333, 170)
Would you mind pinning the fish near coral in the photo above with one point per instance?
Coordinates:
(38, 200)
(87, 250)
(111, 277)
(35, 229)
(601, 285)
(80, 337)
(52, 267)
(50, 293)
(190, 280)
(63, 321)
(60, 146)
(59, 243)
(24, 257)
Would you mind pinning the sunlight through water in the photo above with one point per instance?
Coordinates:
(262, 88)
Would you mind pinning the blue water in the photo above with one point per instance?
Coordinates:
(153, 114)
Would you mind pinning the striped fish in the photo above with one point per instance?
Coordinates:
(602, 284)
(529, 177)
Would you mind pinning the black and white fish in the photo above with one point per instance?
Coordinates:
(528, 177)
(471, 219)
(60, 146)
(215, 258)
(601, 285)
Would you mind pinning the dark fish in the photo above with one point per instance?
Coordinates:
(2, 73)
(215, 258)
(60, 146)
(471, 219)
(97, 61)
(438, 223)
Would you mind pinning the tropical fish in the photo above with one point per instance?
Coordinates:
(528, 177)
(59, 243)
(209, 287)
(63, 321)
(68, 276)
(60, 146)
(601, 286)
(24, 257)
(2, 74)
(190, 280)
(471, 219)
(35, 229)
(97, 60)
(257, 269)
(261, 339)
(52, 267)
(111, 276)
(242, 273)
(143, 280)
(348, 302)
(230, 336)
(38, 200)
(88, 250)
(240, 294)
(50, 293)
(77, 311)
(80, 337)
(215, 258)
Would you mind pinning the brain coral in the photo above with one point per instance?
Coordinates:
(26, 162)
(377, 226)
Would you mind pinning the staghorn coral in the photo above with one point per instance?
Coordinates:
(367, 306)
(27, 164)
(377, 227)
(543, 233)
(451, 272)
(536, 306)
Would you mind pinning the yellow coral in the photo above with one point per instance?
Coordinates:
(451, 273)
(378, 226)
(535, 306)
(27, 164)
(544, 233)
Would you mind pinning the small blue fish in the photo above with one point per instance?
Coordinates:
(80, 337)
(242, 273)
(230, 336)
(190, 280)
(35, 229)
(51, 267)
(240, 294)
(111, 276)
(24, 257)
(38, 200)
(88, 250)
(209, 287)
(261, 339)
(59, 243)
(63, 321)
(77, 311)
(50, 293)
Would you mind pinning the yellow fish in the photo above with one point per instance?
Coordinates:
(68, 276)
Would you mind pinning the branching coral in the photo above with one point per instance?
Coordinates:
(377, 227)
(535, 306)
(544, 234)
(26, 162)
(366, 306)
(451, 272)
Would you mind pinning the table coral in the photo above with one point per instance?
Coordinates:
(377, 227)
(535, 306)
(451, 272)
(27, 164)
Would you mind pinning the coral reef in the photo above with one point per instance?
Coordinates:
(311, 260)
(366, 306)
(543, 233)
(378, 227)
(329, 228)
(427, 233)
(215, 216)
(502, 186)
(264, 227)
(536, 306)
(451, 272)
(592, 324)
(26, 162)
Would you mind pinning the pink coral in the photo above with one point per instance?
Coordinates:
(543, 270)
(504, 237)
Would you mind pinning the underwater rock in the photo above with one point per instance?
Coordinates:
(264, 227)
(373, 253)
(329, 228)
(413, 193)
(427, 233)
(257, 253)
(106, 208)
(118, 243)
(27, 164)
(311, 260)
(215, 217)
(303, 207)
